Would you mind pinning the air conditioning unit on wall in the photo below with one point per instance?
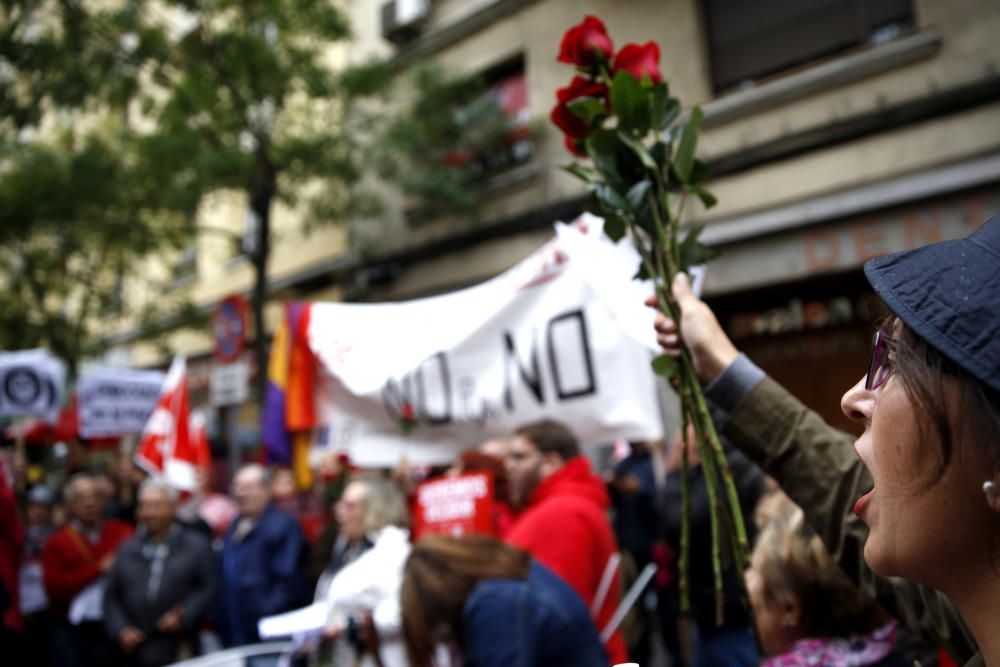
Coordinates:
(402, 19)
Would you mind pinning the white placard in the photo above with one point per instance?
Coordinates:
(31, 384)
(229, 384)
(562, 335)
(116, 401)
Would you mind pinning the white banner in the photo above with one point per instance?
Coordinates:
(116, 401)
(31, 384)
(562, 335)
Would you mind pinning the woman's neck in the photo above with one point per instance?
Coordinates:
(977, 602)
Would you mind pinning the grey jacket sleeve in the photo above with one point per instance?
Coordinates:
(114, 612)
(195, 606)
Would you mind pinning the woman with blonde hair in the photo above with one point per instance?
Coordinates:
(807, 611)
(494, 605)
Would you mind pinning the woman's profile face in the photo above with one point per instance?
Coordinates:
(920, 533)
(775, 623)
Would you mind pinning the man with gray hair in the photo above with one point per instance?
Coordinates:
(162, 583)
(74, 559)
(263, 559)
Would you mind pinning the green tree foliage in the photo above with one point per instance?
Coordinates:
(202, 95)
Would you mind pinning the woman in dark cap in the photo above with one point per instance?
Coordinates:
(918, 494)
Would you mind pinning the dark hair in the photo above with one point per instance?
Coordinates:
(440, 574)
(550, 436)
(928, 376)
(474, 460)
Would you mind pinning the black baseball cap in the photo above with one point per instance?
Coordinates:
(949, 294)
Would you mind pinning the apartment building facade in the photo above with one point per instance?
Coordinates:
(836, 131)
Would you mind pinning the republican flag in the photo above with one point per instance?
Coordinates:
(289, 405)
(166, 449)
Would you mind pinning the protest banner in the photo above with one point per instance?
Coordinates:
(455, 506)
(116, 401)
(562, 335)
(31, 384)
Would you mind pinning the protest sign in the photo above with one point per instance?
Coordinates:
(455, 506)
(562, 335)
(31, 384)
(116, 401)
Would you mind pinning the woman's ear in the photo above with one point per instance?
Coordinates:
(791, 611)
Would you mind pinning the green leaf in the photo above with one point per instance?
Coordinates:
(636, 195)
(639, 149)
(659, 152)
(586, 174)
(602, 146)
(706, 197)
(642, 273)
(611, 198)
(663, 109)
(644, 218)
(630, 104)
(614, 227)
(684, 159)
(692, 252)
(700, 172)
(590, 109)
(666, 366)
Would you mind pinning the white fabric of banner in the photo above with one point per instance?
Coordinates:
(562, 335)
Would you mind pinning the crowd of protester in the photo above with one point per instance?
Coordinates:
(127, 571)
(185, 573)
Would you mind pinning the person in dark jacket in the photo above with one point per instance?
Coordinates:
(263, 560)
(161, 584)
(633, 492)
(494, 605)
(705, 641)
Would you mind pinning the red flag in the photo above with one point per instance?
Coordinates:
(198, 431)
(165, 449)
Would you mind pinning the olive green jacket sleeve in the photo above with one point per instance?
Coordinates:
(816, 466)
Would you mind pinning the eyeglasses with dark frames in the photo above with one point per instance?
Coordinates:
(879, 368)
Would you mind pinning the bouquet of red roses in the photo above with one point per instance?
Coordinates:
(618, 112)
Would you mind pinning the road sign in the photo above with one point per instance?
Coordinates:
(229, 383)
(229, 327)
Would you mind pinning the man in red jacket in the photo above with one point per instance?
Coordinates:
(73, 558)
(563, 521)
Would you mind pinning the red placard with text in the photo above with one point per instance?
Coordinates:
(455, 506)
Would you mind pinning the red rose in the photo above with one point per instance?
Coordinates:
(575, 146)
(584, 44)
(456, 157)
(640, 61)
(566, 120)
(406, 413)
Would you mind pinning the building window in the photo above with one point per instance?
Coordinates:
(495, 125)
(185, 269)
(748, 41)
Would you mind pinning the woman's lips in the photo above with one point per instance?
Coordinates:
(862, 504)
